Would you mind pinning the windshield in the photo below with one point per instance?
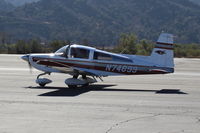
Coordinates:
(62, 51)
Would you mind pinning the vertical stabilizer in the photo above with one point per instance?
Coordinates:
(163, 54)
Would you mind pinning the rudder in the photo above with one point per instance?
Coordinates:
(163, 54)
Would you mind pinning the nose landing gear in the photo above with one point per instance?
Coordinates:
(43, 81)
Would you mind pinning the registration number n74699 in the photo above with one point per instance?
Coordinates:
(121, 68)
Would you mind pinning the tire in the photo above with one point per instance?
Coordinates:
(85, 85)
(42, 85)
(72, 86)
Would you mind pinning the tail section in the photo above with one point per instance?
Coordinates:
(163, 54)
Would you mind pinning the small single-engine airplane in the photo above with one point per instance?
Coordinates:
(86, 64)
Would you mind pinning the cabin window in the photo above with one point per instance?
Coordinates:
(102, 56)
(80, 53)
(109, 57)
(121, 59)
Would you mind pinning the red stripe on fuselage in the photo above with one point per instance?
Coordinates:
(165, 48)
(81, 61)
(48, 62)
(165, 43)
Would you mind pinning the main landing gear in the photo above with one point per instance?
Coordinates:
(79, 82)
(43, 81)
(71, 82)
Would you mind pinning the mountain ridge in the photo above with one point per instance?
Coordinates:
(20, 2)
(196, 1)
(102, 22)
(5, 6)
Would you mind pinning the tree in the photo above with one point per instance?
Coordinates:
(35, 46)
(144, 47)
(21, 47)
(127, 44)
(11, 49)
(55, 45)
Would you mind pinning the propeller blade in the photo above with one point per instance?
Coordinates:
(30, 67)
(26, 58)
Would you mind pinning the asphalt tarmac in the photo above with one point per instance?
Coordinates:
(124, 104)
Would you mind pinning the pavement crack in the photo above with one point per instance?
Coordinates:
(126, 121)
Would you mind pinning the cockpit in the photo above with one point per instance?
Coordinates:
(89, 53)
(73, 51)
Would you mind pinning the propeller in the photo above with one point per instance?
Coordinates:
(30, 67)
(26, 58)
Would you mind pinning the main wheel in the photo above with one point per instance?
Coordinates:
(72, 86)
(85, 85)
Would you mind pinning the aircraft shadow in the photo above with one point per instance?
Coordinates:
(67, 92)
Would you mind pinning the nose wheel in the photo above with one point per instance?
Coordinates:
(42, 85)
(43, 81)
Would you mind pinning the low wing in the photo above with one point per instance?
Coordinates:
(88, 72)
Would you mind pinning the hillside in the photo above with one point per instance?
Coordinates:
(20, 2)
(196, 1)
(102, 21)
(5, 6)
